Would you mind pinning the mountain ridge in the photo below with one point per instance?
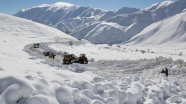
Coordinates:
(95, 24)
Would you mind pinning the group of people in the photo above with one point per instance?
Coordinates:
(165, 71)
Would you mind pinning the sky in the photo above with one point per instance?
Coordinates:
(13, 6)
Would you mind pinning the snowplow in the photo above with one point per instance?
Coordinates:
(71, 58)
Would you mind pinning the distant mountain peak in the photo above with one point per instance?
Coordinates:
(57, 5)
(160, 5)
(63, 4)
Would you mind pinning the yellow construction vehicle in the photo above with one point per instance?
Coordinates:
(69, 59)
(83, 59)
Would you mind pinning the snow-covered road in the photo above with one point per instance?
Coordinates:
(119, 67)
(114, 70)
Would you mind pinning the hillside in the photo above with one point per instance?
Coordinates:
(170, 32)
(128, 25)
(24, 79)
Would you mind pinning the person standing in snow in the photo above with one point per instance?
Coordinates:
(166, 72)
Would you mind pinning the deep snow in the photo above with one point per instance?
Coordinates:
(116, 74)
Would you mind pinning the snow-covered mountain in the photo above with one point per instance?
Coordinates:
(64, 16)
(170, 31)
(99, 26)
(124, 10)
(128, 25)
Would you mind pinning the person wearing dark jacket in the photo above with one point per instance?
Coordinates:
(166, 72)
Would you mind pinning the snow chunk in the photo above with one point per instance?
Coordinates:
(13, 90)
(133, 95)
(64, 95)
(175, 99)
(38, 99)
(99, 79)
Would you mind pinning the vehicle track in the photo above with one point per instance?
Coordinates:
(109, 69)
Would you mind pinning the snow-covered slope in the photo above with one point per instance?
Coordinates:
(64, 16)
(170, 31)
(124, 10)
(27, 77)
(23, 79)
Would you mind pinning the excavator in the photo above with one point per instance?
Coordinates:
(83, 59)
(71, 58)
